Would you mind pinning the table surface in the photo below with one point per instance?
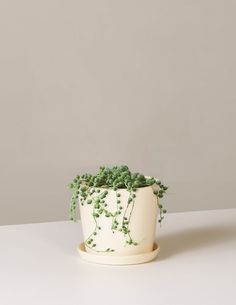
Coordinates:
(39, 265)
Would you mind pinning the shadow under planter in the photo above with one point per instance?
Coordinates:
(195, 239)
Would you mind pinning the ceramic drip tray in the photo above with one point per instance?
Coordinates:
(118, 260)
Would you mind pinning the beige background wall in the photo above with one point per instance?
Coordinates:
(147, 83)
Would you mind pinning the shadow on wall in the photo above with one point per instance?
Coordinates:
(195, 240)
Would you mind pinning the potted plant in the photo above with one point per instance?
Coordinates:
(118, 211)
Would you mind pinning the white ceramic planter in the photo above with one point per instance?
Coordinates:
(142, 223)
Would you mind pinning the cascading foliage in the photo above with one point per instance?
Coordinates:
(93, 190)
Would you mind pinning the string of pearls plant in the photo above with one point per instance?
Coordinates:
(93, 190)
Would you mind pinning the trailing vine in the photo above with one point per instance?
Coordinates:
(93, 190)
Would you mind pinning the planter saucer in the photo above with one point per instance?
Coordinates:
(118, 260)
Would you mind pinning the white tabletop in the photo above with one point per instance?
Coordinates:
(39, 265)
